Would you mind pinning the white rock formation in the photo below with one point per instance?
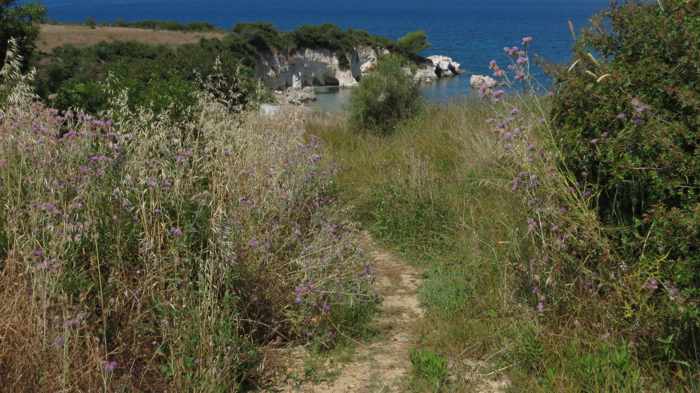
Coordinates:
(482, 81)
(312, 67)
(445, 66)
(315, 67)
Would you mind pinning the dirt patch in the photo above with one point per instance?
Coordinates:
(54, 36)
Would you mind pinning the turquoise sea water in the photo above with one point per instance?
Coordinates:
(471, 31)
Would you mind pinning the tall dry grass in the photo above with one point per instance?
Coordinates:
(143, 254)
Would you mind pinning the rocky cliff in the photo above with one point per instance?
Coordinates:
(322, 67)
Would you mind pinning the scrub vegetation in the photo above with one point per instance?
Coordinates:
(152, 244)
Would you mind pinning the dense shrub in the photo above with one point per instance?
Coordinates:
(21, 23)
(628, 128)
(166, 25)
(144, 254)
(263, 36)
(385, 97)
(161, 77)
(413, 43)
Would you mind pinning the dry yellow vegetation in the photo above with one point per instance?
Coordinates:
(54, 36)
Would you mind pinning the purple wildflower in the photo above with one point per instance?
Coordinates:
(175, 232)
(299, 293)
(540, 307)
(527, 40)
(621, 116)
(70, 134)
(73, 322)
(45, 265)
(99, 158)
(673, 291)
(48, 207)
(521, 60)
(651, 284)
(512, 51)
(59, 342)
(253, 243)
(110, 366)
(498, 94)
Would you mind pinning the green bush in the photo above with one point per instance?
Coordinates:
(413, 43)
(91, 22)
(167, 25)
(628, 126)
(263, 36)
(385, 97)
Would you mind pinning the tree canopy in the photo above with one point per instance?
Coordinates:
(414, 42)
(22, 23)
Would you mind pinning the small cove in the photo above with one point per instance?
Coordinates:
(335, 99)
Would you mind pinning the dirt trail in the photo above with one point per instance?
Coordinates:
(383, 366)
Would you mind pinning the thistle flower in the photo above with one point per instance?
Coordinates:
(99, 158)
(651, 284)
(175, 232)
(521, 60)
(299, 292)
(110, 366)
(70, 134)
(527, 40)
(59, 342)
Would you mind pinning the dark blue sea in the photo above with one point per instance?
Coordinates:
(470, 31)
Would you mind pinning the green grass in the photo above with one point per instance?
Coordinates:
(437, 193)
(430, 369)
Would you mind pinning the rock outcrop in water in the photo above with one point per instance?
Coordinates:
(482, 82)
(323, 67)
